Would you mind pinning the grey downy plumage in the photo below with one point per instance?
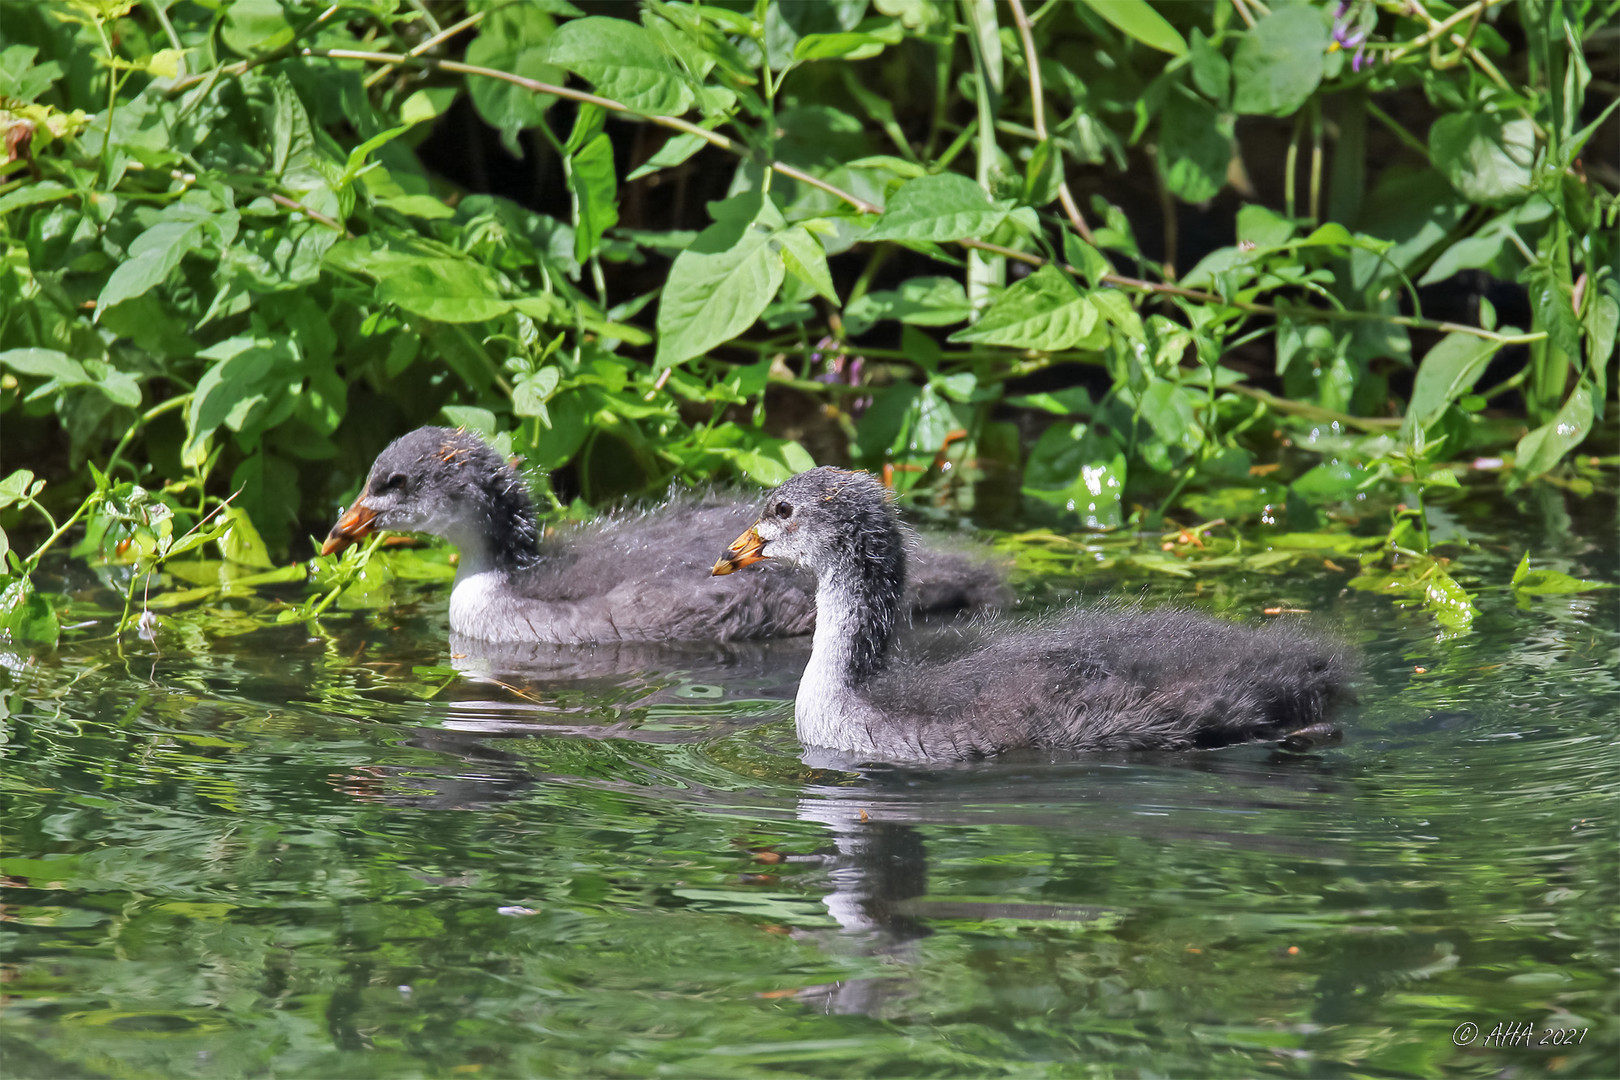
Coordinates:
(1082, 680)
(633, 576)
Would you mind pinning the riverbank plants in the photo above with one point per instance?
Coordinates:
(1306, 270)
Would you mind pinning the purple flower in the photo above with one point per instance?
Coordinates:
(1350, 33)
(845, 369)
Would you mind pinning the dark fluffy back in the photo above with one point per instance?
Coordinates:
(1115, 679)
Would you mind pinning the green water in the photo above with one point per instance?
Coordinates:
(353, 851)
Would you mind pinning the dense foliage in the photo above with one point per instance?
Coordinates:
(246, 243)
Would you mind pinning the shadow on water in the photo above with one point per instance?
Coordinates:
(248, 849)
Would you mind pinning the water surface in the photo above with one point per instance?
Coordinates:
(361, 850)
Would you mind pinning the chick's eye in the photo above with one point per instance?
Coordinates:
(784, 510)
(393, 483)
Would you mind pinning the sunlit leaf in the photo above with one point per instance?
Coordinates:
(1137, 19)
(1547, 445)
(938, 208)
(153, 256)
(675, 150)
(26, 617)
(804, 257)
(719, 285)
(1044, 311)
(1449, 370)
(622, 60)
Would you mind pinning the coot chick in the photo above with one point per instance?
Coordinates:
(1083, 680)
(631, 577)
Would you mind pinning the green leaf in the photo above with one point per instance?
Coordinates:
(1168, 409)
(269, 487)
(20, 78)
(513, 39)
(14, 488)
(1262, 227)
(571, 420)
(26, 616)
(1602, 325)
(675, 150)
(1137, 19)
(1546, 446)
(1211, 71)
(1195, 145)
(1085, 258)
(1116, 307)
(1441, 478)
(1074, 401)
(1486, 156)
(153, 256)
(1554, 304)
(1451, 604)
(595, 191)
(62, 371)
(1330, 481)
(1551, 582)
(247, 373)
(45, 364)
(256, 26)
(1074, 468)
(165, 63)
(446, 290)
(472, 418)
(119, 387)
(240, 542)
(959, 387)
(1448, 371)
(846, 46)
(719, 285)
(938, 208)
(530, 394)
(34, 194)
(359, 155)
(774, 462)
(1045, 311)
(920, 301)
(805, 259)
(1043, 175)
(1278, 65)
(622, 61)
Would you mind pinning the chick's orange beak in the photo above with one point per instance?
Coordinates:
(744, 551)
(351, 527)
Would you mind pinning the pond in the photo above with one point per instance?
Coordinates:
(356, 849)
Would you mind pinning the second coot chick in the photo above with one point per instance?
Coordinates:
(631, 577)
(1085, 680)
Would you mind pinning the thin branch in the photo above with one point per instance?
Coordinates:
(1414, 9)
(714, 139)
(178, 402)
(428, 45)
(1437, 29)
(314, 215)
(674, 123)
(1316, 412)
(1399, 132)
(1315, 203)
(1037, 104)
